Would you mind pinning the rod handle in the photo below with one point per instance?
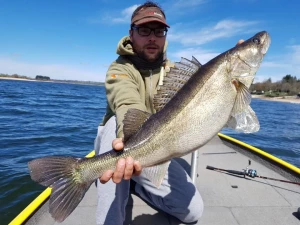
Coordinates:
(236, 172)
(228, 171)
(210, 167)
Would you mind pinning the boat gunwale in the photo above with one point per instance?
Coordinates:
(282, 167)
(38, 202)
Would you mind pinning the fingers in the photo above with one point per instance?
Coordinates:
(119, 171)
(116, 175)
(128, 168)
(137, 168)
(125, 169)
(106, 176)
(118, 144)
(239, 42)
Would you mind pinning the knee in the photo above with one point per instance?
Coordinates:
(190, 214)
(193, 213)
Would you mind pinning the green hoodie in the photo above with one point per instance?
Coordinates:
(127, 87)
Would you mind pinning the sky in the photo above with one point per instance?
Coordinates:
(77, 40)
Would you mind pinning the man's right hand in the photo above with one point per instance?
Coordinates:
(125, 168)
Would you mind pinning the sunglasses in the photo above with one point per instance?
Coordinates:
(146, 31)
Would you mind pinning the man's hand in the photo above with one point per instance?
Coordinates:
(239, 42)
(125, 168)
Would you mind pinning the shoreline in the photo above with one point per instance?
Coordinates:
(287, 99)
(56, 81)
(12, 78)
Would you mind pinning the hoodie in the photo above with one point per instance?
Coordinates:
(127, 87)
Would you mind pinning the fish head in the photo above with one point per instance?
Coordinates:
(242, 63)
(244, 60)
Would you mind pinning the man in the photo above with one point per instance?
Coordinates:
(131, 82)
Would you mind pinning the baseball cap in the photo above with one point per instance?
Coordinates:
(149, 14)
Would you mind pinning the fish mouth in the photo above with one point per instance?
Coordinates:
(266, 41)
(262, 42)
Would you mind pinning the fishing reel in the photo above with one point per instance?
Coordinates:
(250, 172)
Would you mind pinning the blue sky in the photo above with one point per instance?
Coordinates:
(76, 40)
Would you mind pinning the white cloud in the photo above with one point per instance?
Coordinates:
(273, 66)
(295, 56)
(125, 15)
(274, 69)
(187, 3)
(122, 16)
(201, 55)
(285, 64)
(81, 72)
(223, 29)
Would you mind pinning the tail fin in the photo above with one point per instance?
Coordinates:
(62, 175)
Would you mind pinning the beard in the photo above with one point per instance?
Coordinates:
(146, 54)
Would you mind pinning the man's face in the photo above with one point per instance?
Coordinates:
(149, 47)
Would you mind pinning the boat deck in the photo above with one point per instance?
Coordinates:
(228, 199)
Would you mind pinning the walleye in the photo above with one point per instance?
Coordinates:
(194, 104)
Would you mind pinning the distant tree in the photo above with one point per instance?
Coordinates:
(277, 86)
(267, 85)
(286, 87)
(289, 78)
(40, 77)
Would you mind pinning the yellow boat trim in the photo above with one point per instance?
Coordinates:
(26, 213)
(19, 219)
(37, 202)
(261, 152)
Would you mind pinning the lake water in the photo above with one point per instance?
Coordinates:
(41, 118)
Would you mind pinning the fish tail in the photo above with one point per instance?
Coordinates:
(62, 174)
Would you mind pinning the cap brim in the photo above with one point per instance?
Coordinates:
(148, 20)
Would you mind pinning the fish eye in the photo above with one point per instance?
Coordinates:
(256, 41)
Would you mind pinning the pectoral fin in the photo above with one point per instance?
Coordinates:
(245, 121)
(243, 98)
(156, 173)
(134, 119)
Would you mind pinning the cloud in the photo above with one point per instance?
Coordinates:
(295, 55)
(123, 16)
(175, 9)
(187, 3)
(201, 55)
(54, 71)
(223, 29)
(284, 64)
(270, 68)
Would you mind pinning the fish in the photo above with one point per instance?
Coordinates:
(194, 103)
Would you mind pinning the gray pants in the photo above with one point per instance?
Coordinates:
(176, 196)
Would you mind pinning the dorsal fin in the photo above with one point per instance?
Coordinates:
(174, 80)
(133, 120)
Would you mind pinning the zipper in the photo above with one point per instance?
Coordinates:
(161, 76)
(150, 71)
(150, 91)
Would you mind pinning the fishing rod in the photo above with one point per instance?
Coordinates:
(250, 173)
